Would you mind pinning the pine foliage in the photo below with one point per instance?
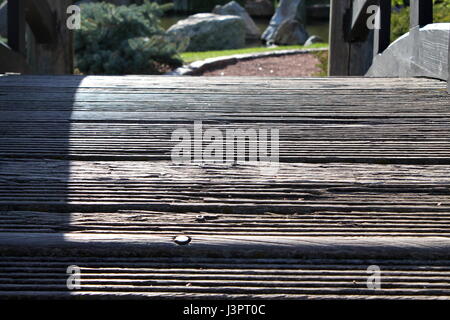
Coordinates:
(124, 40)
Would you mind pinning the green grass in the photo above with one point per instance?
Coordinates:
(189, 57)
(322, 56)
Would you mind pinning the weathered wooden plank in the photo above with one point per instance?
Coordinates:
(339, 141)
(86, 212)
(233, 278)
(225, 85)
(320, 223)
(308, 118)
(304, 199)
(211, 296)
(228, 246)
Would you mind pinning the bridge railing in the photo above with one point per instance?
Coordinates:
(38, 40)
(355, 40)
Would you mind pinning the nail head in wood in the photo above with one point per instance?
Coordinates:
(182, 240)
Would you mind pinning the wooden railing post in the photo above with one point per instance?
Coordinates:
(382, 36)
(421, 13)
(351, 40)
(16, 25)
(339, 56)
(41, 21)
(448, 77)
(50, 41)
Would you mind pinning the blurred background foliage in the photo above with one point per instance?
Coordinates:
(125, 40)
(400, 17)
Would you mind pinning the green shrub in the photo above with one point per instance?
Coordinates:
(400, 19)
(124, 40)
(399, 23)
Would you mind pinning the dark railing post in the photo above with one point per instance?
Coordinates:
(16, 25)
(382, 36)
(339, 57)
(421, 13)
(448, 77)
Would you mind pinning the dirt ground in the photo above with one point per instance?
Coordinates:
(298, 65)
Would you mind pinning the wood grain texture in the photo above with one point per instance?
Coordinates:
(209, 245)
(215, 278)
(86, 178)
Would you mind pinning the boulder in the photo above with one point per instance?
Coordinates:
(234, 9)
(291, 13)
(208, 31)
(259, 8)
(411, 55)
(290, 32)
(313, 39)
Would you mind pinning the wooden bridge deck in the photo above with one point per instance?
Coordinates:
(86, 179)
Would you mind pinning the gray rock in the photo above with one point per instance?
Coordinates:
(234, 9)
(290, 32)
(313, 39)
(208, 31)
(289, 10)
(411, 55)
(259, 8)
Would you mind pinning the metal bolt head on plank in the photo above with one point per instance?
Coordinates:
(182, 240)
